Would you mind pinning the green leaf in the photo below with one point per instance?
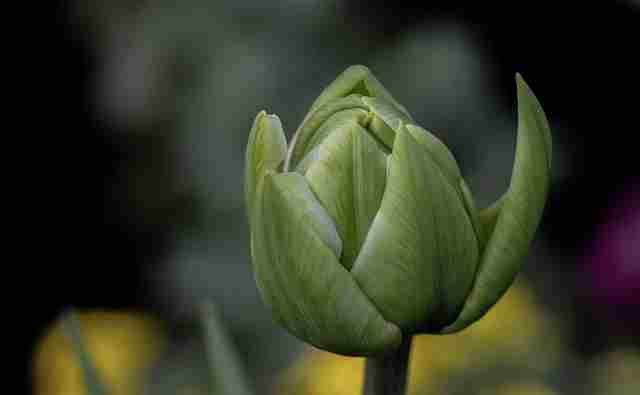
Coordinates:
(266, 150)
(227, 377)
(512, 222)
(419, 258)
(73, 331)
(298, 274)
(348, 178)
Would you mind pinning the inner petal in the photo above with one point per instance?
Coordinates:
(348, 175)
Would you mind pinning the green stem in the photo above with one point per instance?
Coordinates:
(387, 374)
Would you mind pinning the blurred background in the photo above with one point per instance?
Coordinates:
(148, 220)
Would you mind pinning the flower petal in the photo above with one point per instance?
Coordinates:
(266, 149)
(314, 122)
(512, 222)
(350, 86)
(348, 178)
(300, 278)
(355, 79)
(339, 120)
(419, 258)
(386, 119)
(439, 153)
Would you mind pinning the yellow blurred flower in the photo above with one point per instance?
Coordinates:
(520, 388)
(616, 372)
(122, 346)
(515, 332)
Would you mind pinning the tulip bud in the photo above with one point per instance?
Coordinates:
(363, 229)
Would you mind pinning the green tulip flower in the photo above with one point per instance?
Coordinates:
(364, 231)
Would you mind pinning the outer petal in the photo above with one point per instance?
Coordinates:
(487, 219)
(513, 220)
(419, 258)
(299, 276)
(472, 211)
(439, 153)
(449, 167)
(348, 177)
(266, 150)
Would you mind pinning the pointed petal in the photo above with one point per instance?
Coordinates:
(314, 121)
(449, 168)
(514, 219)
(355, 79)
(298, 274)
(439, 153)
(348, 178)
(342, 119)
(354, 83)
(266, 150)
(418, 260)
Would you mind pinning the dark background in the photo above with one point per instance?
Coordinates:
(580, 59)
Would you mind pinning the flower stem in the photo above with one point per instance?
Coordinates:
(387, 374)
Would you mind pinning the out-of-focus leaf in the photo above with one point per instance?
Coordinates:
(227, 374)
(73, 331)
